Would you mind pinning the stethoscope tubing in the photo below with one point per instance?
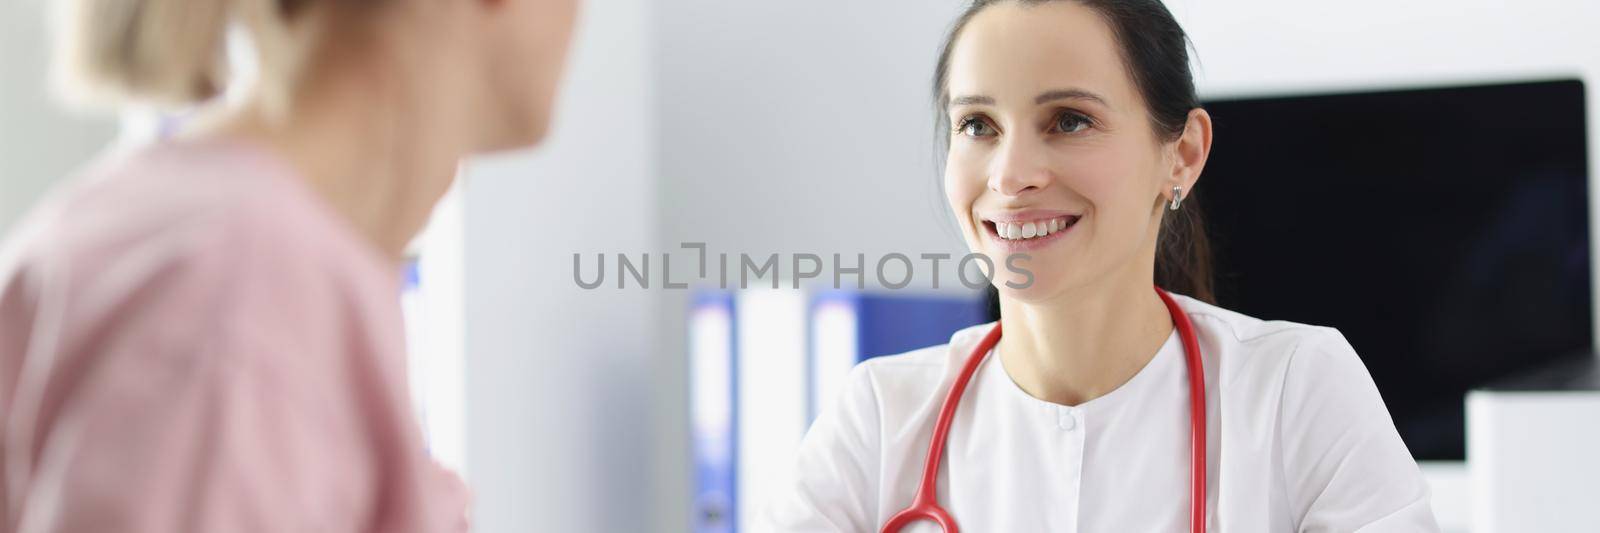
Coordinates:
(925, 505)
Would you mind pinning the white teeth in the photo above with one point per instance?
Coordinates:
(1029, 230)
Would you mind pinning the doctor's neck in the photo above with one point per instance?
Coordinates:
(1086, 342)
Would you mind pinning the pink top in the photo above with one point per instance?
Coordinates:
(191, 340)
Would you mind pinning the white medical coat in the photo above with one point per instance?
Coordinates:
(1298, 439)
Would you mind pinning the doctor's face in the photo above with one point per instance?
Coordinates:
(1051, 151)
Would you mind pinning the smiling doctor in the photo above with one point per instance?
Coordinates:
(1075, 136)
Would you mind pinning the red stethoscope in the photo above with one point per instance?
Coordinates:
(926, 505)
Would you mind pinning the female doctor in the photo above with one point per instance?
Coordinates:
(1075, 137)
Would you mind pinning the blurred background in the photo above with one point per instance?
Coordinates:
(764, 127)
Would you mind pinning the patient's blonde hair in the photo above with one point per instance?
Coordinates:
(171, 52)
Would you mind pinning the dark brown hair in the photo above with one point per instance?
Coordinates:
(1156, 55)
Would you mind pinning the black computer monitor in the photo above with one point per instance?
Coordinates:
(1443, 230)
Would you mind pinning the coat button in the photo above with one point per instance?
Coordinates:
(1066, 421)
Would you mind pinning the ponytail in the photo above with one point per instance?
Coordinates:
(1183, 253)
(158, 51)
(168, 52)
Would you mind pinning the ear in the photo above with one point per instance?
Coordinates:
(1190, 152)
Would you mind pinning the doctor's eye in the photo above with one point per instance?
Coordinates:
(1070, 122)
(975, 126)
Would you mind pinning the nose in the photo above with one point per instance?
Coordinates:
(1019, 167)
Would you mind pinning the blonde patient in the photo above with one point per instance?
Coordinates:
(204, 334)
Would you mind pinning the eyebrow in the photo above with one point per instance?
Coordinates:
(1043, 98)
(1069, 94)
(971, 100)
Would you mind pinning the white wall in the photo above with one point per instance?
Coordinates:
(39, 143)
(558, 378)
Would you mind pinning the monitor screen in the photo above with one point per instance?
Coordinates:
(1443, 231)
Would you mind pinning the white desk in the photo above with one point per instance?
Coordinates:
(1533, 452)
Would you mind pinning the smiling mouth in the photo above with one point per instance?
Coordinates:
(1030, 229)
